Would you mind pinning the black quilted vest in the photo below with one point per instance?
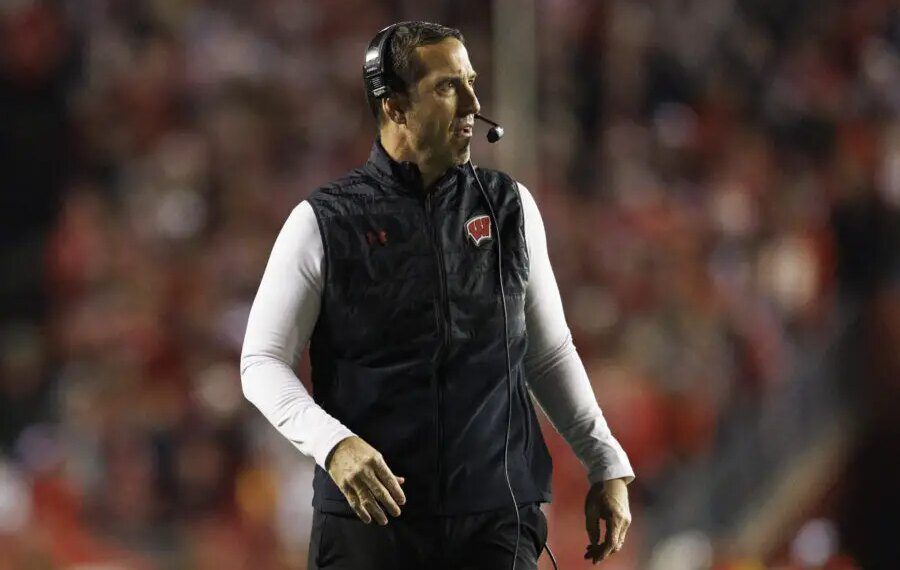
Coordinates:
(408, 350)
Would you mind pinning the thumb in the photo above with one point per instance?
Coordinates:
(592, 525)
(401, 479)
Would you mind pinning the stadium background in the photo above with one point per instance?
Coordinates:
(720, 180)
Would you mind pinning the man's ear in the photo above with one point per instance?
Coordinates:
(394, 108)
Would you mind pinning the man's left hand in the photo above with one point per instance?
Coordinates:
(607, 500)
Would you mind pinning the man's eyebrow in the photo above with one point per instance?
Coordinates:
(441, 78)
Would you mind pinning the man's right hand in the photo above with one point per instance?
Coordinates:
(364, 478)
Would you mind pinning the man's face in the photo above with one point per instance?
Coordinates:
(442, 104)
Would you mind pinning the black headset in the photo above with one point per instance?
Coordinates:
(379, 77)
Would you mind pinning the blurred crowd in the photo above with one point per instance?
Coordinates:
(715, 177)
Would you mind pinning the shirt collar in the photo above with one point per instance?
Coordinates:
(405, 174)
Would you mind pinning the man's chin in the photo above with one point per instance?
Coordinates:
(462, 156)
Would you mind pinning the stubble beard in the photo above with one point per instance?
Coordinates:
(462, 155)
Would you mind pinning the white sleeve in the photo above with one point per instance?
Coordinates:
(553, 369)
(281, 321)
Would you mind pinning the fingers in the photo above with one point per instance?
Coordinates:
(380, 492)
(369, 495)
(592, 523)
(621, 542)
(390, 483)
(368, 509)
(363, 504)
(370, 504)
(364, 478)
(608, 502)
(355, 504)
(611, 540)
(597, 552)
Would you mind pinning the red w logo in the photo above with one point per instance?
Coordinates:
(479, 228)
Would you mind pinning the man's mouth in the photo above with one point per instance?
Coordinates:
(463, 129)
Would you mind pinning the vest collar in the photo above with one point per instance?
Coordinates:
(404, 175)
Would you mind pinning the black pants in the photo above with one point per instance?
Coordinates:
(480, 541)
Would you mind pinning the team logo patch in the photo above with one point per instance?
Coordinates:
(479, 228)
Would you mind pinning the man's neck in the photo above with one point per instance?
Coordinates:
(399, 149)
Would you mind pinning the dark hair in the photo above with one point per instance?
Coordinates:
(401, 64)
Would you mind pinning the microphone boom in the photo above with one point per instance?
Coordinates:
(496, 131)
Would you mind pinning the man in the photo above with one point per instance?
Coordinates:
(385, 274)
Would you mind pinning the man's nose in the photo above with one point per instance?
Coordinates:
(468, 104)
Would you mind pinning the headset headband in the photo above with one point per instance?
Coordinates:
(377, 68)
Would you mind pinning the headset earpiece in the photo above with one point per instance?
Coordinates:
(376, 68)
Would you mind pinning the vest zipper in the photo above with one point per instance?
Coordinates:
(443, 318)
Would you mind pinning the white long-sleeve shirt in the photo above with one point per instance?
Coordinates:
(284, 314)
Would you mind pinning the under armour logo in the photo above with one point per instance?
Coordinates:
(380, 237)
